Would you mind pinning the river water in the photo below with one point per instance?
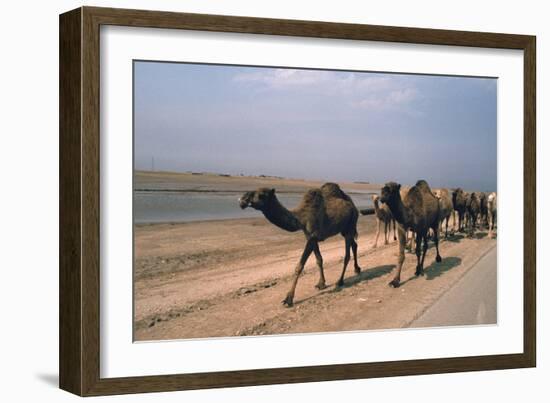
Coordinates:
(163, 206)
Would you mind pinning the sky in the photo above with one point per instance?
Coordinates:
(316, 124)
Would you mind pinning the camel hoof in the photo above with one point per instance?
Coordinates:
(288, 301)
(340, 283)
(438, 259)
(357, 270)
(419, 271)
(320, 286)
(395, 283)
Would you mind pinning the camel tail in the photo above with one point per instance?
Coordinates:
(367, 211)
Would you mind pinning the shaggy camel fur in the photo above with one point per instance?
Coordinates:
(383, 215)
(446, 209)
(459, 204)
(492, 212)
(418, 211)
(322, 213)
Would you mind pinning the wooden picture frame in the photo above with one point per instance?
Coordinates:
(79, 346)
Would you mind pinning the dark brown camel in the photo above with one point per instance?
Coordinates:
(492, 211)
(418, 211)
(483, 211)
(473, 211)
(322, 213)
(459, 204)
(446, 209)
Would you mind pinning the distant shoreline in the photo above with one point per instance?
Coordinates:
(228, 191)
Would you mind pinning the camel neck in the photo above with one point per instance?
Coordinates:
(280, 216)
(376, 206)
(399, 210)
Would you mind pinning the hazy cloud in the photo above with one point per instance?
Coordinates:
(317, 124)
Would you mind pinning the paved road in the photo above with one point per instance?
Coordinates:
(473, 300)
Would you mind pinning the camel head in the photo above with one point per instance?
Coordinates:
(389, 191)
(259, 199)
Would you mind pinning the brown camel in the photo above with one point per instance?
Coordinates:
(418, 211)
(383, 215)
(459, 204)
(473, 211)
(446, 209)
(483, 211)
(322, 213)
(492, 212)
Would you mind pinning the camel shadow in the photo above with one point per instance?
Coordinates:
(437, 269)
(365, 275)
(456, 237)
(480, 235)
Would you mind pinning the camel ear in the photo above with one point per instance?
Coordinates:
(272, 192)
(398, 186)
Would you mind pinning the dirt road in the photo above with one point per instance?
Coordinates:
(228, 278)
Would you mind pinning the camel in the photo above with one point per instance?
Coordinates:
(483, 212)
(459, 204)
(492, 212)
(446, 209)
(468, 197)
(473, 211)
(383, 215)
(418, 211)
(410, 235)
(322, 213)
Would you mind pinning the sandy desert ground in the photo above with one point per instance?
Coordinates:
(224, 278)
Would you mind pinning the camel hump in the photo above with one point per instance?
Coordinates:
(313, 198)
(423, 185)
(330, 189)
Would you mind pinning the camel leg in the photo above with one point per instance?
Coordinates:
(454, 223)
(402, 238)
(386, 223)
(413, 235)
(377, 233)
(357, 268)
(420, 269)
(473, 220)
(446, 226)
(419, 257)
(321, 284)
(340, 282)
(288, 301)
(436, 241)
(394, 236)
